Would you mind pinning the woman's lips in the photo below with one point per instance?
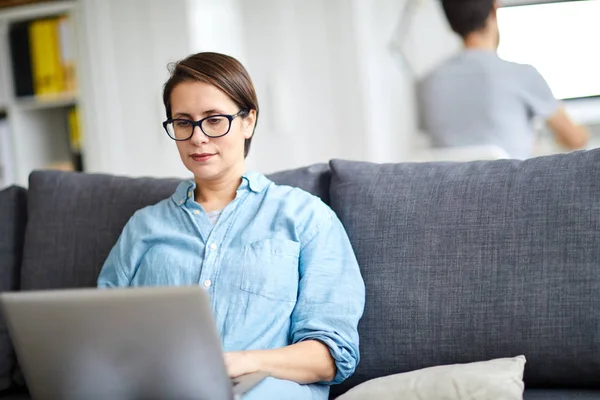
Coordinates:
(202, 157)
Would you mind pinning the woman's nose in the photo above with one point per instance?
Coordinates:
(198, 137)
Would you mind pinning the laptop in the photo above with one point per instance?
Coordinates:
(129, 343)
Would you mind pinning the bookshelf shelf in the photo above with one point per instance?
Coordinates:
(33, 11)
(40, 103)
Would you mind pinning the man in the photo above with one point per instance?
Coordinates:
(476, 98)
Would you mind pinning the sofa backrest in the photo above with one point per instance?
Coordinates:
(314, 179)
(473, 261)
(13, 216)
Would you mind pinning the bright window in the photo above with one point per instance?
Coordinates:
(561, 40)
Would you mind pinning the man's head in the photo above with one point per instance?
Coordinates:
(467, 17)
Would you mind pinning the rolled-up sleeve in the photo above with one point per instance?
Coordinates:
(331, 295)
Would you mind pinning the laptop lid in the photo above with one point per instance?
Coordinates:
(142, 343)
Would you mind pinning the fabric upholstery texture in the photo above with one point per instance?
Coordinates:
(474, 261)
(13, 216)
(314, 179)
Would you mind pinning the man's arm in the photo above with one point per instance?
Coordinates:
(567, 133)
(541, 102)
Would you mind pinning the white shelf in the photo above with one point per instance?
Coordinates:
(46, 102)
(33, 11)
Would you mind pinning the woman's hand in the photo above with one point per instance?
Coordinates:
(240, 363)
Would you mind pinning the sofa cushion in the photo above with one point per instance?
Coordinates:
(314, 179)
(13, 217)
(75, 219)
(499, 379)
(473, 261)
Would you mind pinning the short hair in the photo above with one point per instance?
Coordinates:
(467, 16)
(224, 72)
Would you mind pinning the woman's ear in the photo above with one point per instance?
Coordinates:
(248, 123)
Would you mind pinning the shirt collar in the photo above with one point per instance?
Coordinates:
(184, 191)
(255, 181)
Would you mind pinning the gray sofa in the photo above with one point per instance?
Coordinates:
(462, 261)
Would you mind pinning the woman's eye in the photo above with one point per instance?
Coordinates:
(215, 121)
(182, 124)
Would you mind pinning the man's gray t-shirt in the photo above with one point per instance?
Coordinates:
(476, 98)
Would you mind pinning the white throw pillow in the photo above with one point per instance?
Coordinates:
(500, 379)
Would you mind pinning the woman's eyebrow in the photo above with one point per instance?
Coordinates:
(212, 111)
(182, 115)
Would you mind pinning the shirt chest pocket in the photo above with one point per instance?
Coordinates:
(270, 269)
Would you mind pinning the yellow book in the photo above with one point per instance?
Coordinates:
(47, 69)
(41, 78)
(74, 130)
(57, 82)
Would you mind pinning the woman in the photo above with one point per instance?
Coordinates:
(285, 287)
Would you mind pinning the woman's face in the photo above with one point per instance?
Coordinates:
(210, 158)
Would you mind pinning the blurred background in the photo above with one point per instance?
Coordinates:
(81, 80)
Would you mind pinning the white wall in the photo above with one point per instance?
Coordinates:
(387, 85)
(302, 58)
(216, 26)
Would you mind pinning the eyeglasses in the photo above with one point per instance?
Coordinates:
(213, 126)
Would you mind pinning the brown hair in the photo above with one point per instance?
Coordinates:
(467, 16)
(224, 72)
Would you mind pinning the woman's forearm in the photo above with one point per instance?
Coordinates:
(305, 362)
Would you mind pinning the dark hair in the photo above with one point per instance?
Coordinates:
(467, 16)
(224, 72)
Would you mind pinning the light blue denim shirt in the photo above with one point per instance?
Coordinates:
(278, 267)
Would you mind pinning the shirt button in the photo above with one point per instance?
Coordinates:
(190, 194)
(213, 246)
(196, 212)
(207, 283)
